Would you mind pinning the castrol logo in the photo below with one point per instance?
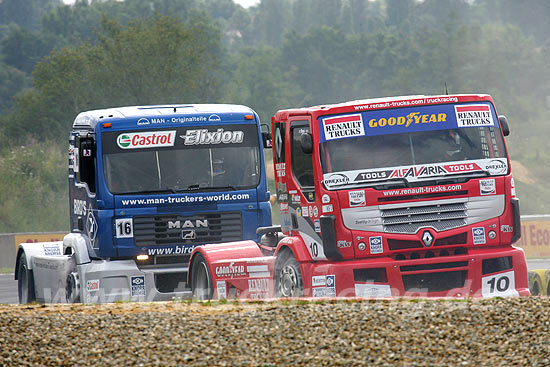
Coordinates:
(151, 139)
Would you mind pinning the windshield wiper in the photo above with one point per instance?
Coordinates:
(388, 181)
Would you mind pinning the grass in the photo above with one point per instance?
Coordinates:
(6, 270)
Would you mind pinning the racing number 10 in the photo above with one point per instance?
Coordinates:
(503, 284)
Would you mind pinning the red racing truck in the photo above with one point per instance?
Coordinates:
(401, 196)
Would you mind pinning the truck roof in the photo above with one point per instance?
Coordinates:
(89, 119)
(382, 103)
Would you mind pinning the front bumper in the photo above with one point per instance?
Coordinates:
(483, 272)
(122, 280)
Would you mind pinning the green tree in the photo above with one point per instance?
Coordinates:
(149, 61)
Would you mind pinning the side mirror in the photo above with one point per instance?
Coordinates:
(306, 142)
(266, 139)
(504, 124)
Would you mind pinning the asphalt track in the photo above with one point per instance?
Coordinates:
(8, 286)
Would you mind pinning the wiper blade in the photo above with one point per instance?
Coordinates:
(402, 180)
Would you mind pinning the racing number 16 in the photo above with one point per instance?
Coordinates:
(124, 228)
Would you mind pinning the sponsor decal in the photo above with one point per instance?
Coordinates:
(478, 234)
(222, 289)
(79, 207)
(372, 290)
(137, 285)
(487, 187)
(280, 169)
(258, 285)
(51, 250)
(214, 118)
(175, 250)
(422, 190)
(185, 119)
(143, 121)
(473, 115)
(152, 139)
(92, 285)
(317, 225)
(343, 244)
(205, 137)
(497, 167)
(357, 198)
(327, 208)
(315, 212)
(368, 221)
(299, 211)
(310, 209)
(295, 199)
(305, 212)
(506, 228)
(324, 286)
(91, 225)
(318, 281)
(418, 171)
(372, 175)
(462, 167)
(310, 196)
(325, 199)
(336, 179)
(376, 245)
(283, 207)
(406, 121)
(513, 187)
(229, 270)
(343, 126)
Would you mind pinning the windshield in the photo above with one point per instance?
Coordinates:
(411, 143)
(182, 160)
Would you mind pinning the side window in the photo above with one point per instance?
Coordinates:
(302, 164)
(86, 163)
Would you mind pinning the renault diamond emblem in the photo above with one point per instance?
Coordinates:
(188, 234)
(427, 239)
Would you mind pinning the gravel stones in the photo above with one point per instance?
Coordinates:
(496, 332)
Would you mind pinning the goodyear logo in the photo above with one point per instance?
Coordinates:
(406, 121)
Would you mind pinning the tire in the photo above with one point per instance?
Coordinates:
(201, 279)
(535, 283)
(25, 282)
(288, 277)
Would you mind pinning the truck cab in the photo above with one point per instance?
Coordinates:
(147, 185)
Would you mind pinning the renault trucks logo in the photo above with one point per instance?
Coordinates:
(151, 139)
(473, 115)
(343, 126)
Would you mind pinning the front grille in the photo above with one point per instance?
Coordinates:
(166, 230)
(441, 217)
(434, 282)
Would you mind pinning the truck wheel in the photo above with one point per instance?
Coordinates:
(288, 278)
(25, 282)
(72, 288)
(201, 280)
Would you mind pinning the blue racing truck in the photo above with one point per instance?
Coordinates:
(147, 185)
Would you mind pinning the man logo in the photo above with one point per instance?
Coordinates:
(188, 234)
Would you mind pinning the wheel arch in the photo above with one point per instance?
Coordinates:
(224, 252)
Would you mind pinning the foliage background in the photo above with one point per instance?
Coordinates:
(58, 60)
